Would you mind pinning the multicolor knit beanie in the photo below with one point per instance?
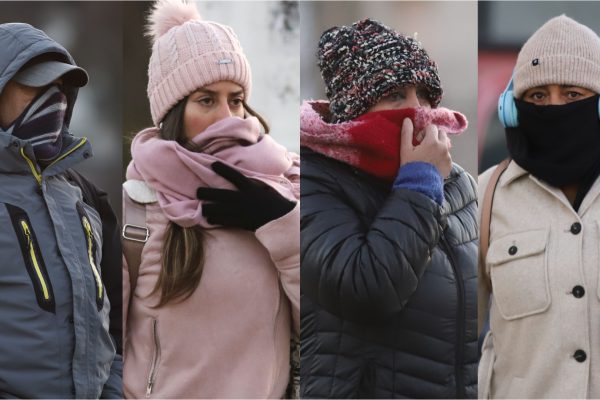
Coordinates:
(364, 62)
(189, 53)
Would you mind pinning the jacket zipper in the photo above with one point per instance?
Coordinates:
(32, 257)
(34, 260)
(460, 319)
(90, 247)
(155, 359)
(34, 168)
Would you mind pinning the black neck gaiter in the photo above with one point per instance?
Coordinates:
(558, 144)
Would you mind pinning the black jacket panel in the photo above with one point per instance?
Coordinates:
(388, 302)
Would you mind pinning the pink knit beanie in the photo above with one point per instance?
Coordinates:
(189, 53)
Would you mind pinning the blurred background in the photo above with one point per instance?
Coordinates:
(269, 34)
(92, 32)
(447, 30)
(504, 26)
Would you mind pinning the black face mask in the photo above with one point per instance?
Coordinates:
(558, 144)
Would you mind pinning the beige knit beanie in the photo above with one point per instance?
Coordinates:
(189, 53)
(562, 52)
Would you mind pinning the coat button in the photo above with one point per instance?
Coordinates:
(576, 228)
(580, 356)
(578, 291)
(512, 250)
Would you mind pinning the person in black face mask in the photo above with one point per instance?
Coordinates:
(558, 137)
(539, 274)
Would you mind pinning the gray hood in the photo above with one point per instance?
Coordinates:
(19, 43)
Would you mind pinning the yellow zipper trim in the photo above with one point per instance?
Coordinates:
(32, 166)
(81, 143)
(88, 231)
(34, 260)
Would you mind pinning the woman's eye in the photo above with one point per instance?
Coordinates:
(396, 96)
(573, 95)
(537, 96)
(237, 102)
(206, 101)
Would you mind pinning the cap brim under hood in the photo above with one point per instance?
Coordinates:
(46, 72)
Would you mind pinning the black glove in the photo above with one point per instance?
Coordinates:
(254, 205)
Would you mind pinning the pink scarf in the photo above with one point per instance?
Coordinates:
(175, 172)
(370, 142)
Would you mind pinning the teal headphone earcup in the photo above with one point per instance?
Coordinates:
(507, 110)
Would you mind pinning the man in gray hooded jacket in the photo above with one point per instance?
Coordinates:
(55, 340)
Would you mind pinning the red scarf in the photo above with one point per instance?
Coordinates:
(370, 142)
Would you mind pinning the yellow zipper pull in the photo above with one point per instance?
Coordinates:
(89, 233)
(32, 166)
(33, 257)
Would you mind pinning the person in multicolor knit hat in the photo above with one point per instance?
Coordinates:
(388, 246)
(367, 61)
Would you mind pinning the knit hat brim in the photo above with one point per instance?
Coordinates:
(560, 52)
(227, 66)
(364, 62)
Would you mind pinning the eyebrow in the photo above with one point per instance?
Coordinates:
(561, 86)
(212, 92)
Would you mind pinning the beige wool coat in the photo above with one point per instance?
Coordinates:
(543, 264)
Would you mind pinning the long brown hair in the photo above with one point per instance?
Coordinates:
(183, 248)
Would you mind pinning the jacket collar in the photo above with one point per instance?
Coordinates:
(17, 157)
(514, 172)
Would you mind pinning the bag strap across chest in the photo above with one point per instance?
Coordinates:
(486, 209)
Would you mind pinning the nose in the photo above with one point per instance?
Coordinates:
(555, 99)
(224, 111)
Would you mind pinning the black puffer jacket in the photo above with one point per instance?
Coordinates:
(389, 286)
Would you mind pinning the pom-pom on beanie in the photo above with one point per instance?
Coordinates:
(189, 53)
(364, 62)
(560, 52)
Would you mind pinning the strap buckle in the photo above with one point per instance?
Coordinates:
(135, 236)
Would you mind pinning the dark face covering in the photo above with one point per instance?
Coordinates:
(558, 144)
(41, 124)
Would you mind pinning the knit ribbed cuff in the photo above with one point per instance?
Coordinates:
(421, 177)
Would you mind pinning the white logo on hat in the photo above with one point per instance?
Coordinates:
(225, 61)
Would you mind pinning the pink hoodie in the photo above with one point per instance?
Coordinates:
(230, 338)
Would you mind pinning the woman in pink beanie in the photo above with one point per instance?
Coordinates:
(214, 294)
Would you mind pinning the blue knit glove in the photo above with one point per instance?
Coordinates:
(421, 177)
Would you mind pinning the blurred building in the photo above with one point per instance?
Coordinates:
(503, 28)
(447, 30)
